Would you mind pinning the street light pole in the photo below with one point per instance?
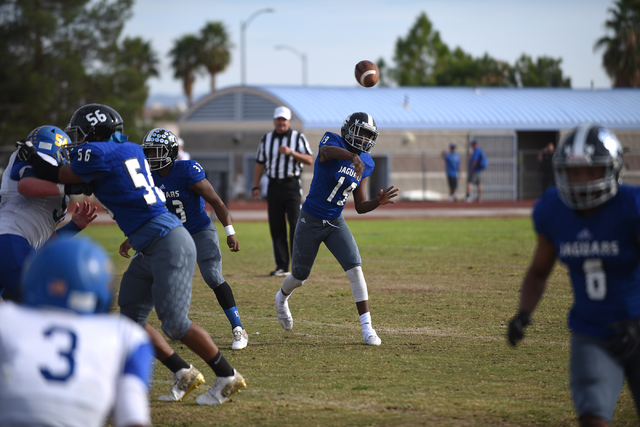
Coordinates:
(303, 58)
(243, 28)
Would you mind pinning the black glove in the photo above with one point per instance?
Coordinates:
(515, 333)
(25, 150)
(626, 337)
(83, 188)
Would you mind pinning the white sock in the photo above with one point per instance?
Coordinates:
(282, 298)
(365, 321)
(290, 284)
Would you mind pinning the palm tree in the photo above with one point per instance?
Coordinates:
(621, 57)
(140, 56)
(215, 46)
(185, 61)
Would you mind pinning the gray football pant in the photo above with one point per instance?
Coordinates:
(209, 257)
(161, 276)
(596, 377)
(311, 232)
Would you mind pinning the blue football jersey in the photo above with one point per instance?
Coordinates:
(333, 181)
(603, 256)
(181, 200)
(122, 181)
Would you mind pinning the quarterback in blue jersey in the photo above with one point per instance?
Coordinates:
(161, 272)
(341, 168)
(31, 208)
(591, 223)
(186, 190)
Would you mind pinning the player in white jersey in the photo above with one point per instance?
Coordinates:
(64, 360)
(31, 208)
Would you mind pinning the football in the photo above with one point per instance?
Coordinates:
(367, 73)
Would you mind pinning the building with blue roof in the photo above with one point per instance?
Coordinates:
(416, 124)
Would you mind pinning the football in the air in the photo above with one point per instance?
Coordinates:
(367, 73)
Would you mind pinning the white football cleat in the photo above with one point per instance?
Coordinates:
(184, 382)
(222, 388)
(373, 339)
(283, 313)
(240, 338)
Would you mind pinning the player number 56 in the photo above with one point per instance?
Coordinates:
(96, 117)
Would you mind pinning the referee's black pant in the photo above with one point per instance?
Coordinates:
(283, 200)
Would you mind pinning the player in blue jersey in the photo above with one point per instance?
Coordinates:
(186, 189)
(161, 272)
(341, 168)
(592, 224)
(31, 208)
(64, 360)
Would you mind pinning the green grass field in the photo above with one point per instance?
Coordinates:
(441, 293)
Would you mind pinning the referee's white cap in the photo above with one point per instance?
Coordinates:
(283, 112)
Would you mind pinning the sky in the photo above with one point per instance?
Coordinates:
(335, 34)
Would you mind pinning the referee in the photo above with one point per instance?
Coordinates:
(281, 154)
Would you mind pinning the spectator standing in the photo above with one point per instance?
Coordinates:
(281, 155)
(477, 163)
(452, 168)
(545, 157)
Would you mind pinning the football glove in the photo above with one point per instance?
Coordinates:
(515, 333)
(82, 188)
(625, 338)
(25, 149)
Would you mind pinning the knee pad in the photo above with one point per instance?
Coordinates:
(290, 283)
(301, 272)
(358, 285)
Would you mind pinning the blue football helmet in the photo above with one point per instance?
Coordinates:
(50, 140)
(588, 145)
(161, 148)
(69, 273)
(359, 130)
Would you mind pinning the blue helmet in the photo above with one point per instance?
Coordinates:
(50, 140)
(71, 273)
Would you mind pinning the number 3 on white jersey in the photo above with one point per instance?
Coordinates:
(152, 193)
(595, 279)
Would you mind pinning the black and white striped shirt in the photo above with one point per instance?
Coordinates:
(279, 166)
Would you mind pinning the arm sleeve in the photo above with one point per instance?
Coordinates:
(302, 145)
(195, 173)
(261, 155)
(68, 230)
(132, 400)
(132, 403)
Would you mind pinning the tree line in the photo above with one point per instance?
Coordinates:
(61, 54)
(423, 59)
